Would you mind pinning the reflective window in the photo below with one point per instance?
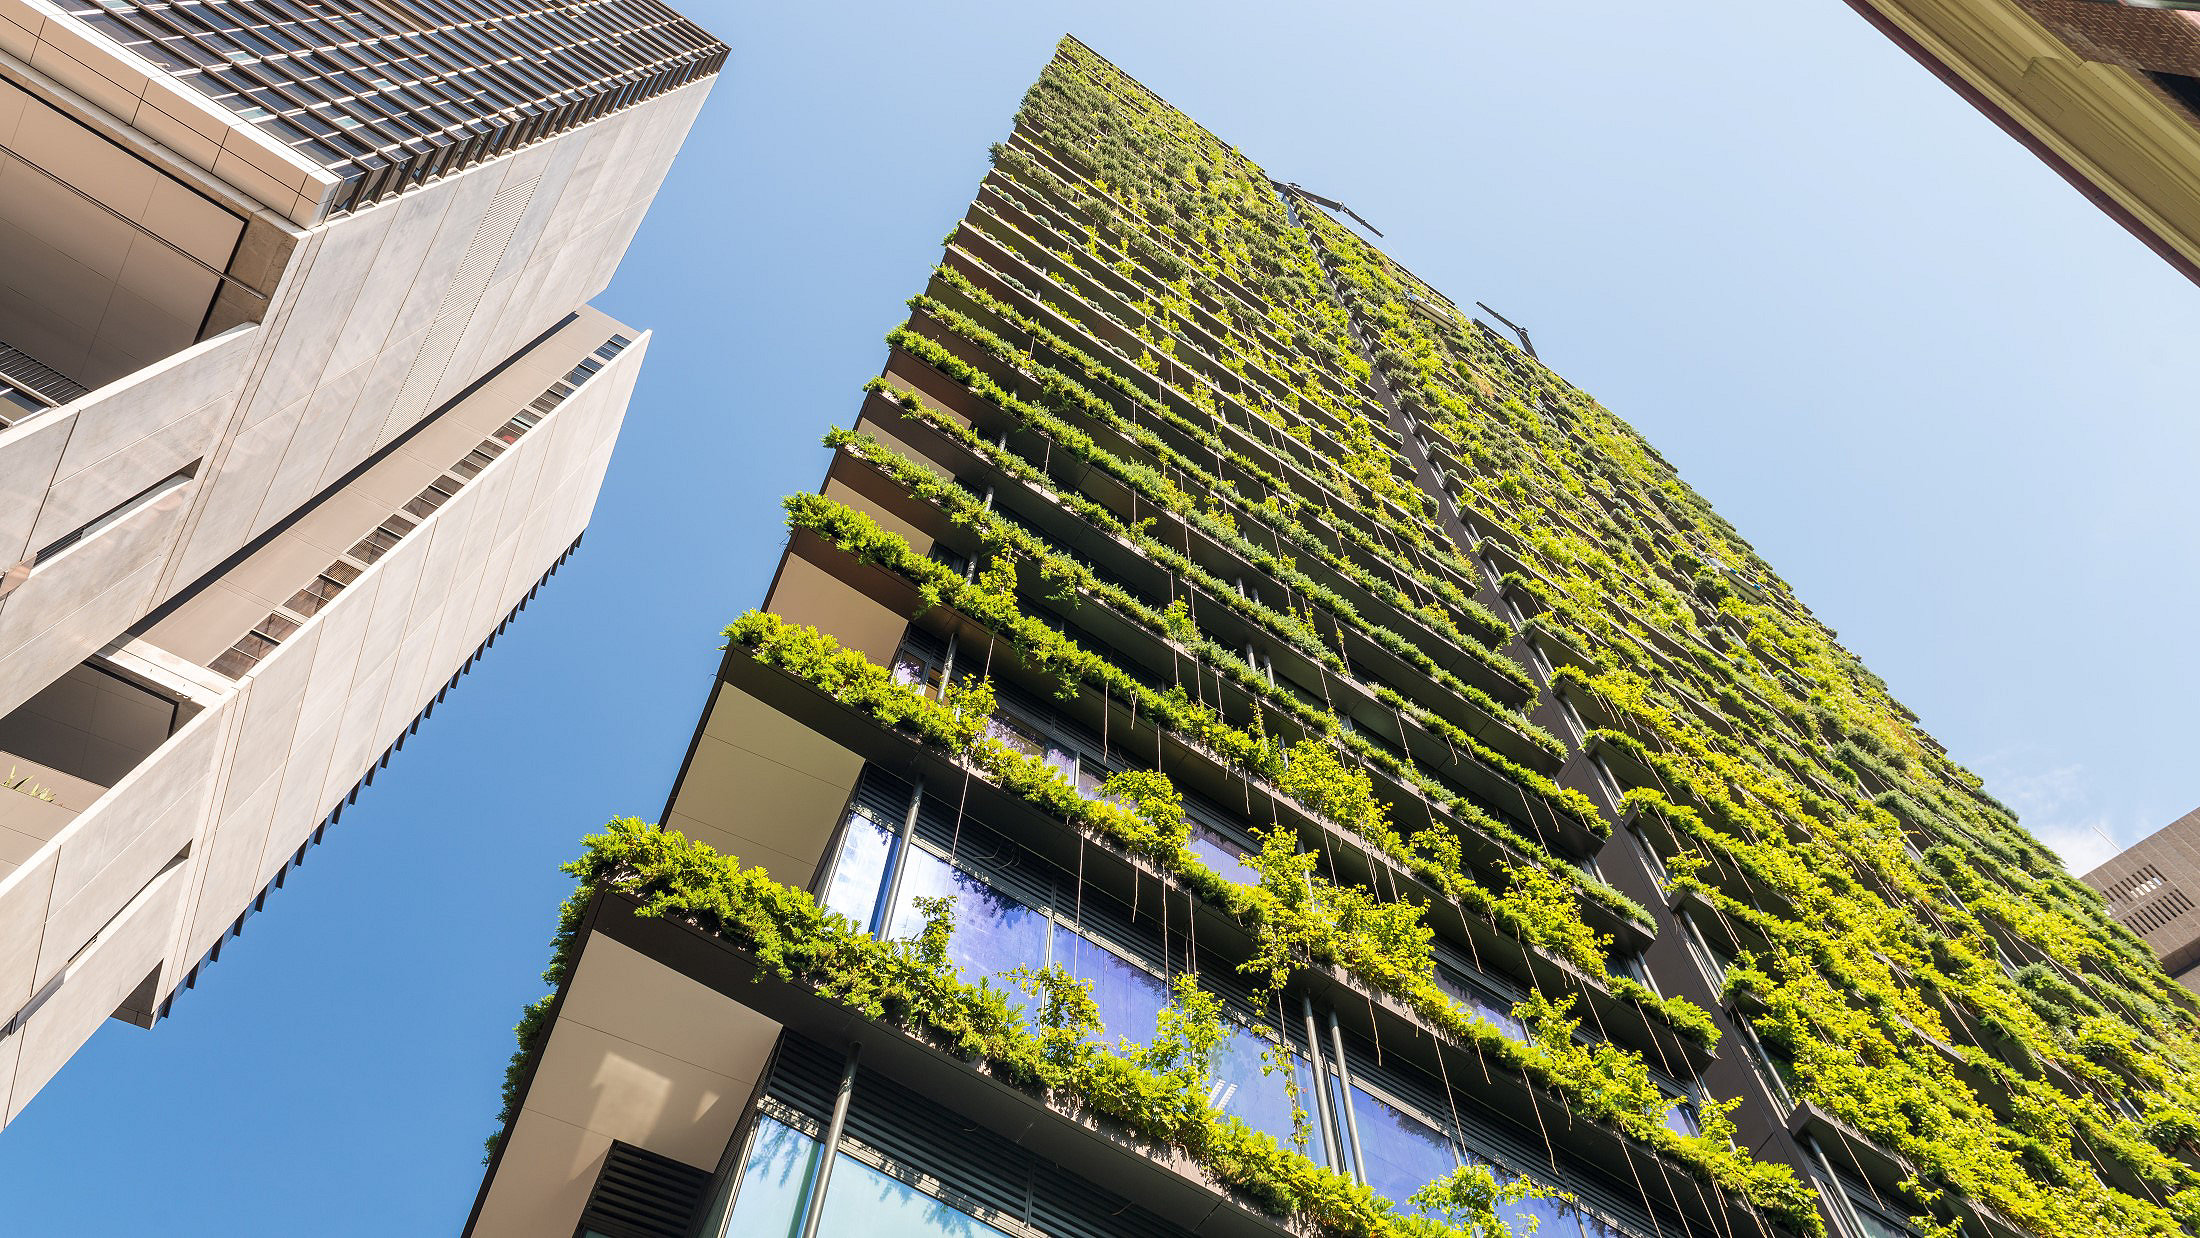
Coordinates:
(919, 666)
(1248, 1091)
(774, 1180)
(1549, 1218)
(860, 1203)
(1479, 1000)
(1130, 997)
(1222, 854)
(864, 1203)
(1402, 1152)
(1876, 1224)
(860, 870)
(993, 932)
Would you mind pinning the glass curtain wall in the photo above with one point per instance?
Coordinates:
(1014, 911)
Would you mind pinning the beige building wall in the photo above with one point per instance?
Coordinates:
(117, 907)
(378, 319)
(640, 1054)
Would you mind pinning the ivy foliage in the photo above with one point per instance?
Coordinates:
(1155, 1089)
(1926, 971)
(1298, 918)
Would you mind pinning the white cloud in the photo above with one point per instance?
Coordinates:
(2061, 807)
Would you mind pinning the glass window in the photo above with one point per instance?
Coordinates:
(1019, 737)
(1130, 997)
(1545, 1218)
(1649, 854)
(1222, 854)
(864, 1203)
(1402, 1153)
(1248, 1091)
(1481, 1001)
(1090, 774)
(16, 405)
(1875, 1224)
(859, 870)
(993, 932)
(773, 1181)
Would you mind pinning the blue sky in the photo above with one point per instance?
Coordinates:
(1942, 394)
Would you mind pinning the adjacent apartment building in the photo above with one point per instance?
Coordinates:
(2150, 888)
(1236, 747)
(300, 400)
(2106, 92)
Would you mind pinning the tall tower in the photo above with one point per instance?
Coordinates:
(300, 400)
(1237, 746)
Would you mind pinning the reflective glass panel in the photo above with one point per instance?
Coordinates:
(859, 870)
(1130, 997)
(773, 1181)
(1341, 1158)
(1262, 1100)
(864, 1203)
(1877, 1226)
(1222, 855)
(993, 932)
(1403, 1153)
(1479, 1002)
(1551, 1218)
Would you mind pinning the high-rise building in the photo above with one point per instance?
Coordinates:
(2150, 887)
(2106, 92)
(1236, 746)
(300, 400)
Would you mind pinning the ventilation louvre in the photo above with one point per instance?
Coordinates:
(640, 1194)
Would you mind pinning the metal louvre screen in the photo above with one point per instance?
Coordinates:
(640, 1194)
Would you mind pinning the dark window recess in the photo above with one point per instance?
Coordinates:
(118, 513)
(2185, 90)
(640, 1194)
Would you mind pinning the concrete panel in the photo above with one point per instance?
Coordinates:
(79, 498)
(110, 417)
(269, 703)
(806, 593)
(543, 1182)
(88, 874)
(328, 290)
(227, 859)
(639, 1054)
(763, 790)
(29, 453)
(127, 950)
(24, 896)
(157, 842)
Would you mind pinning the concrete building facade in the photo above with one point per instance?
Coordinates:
(300, 399)
(2151, 887)
(1236, 746)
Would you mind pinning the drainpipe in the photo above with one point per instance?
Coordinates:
(814, 1210)
(1351, 1117)
(882, 915)
(1330, 1140)
(1837, 1200)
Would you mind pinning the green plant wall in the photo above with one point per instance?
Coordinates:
(1280, 449)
